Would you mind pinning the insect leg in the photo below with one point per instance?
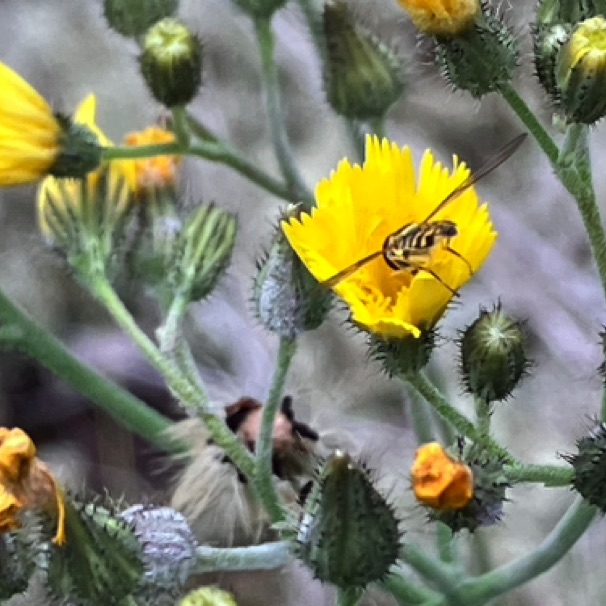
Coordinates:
(460, 256)
(431, 272)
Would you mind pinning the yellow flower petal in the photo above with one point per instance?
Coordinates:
(358, 207)
(29, 132)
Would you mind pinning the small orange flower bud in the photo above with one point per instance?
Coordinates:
(439, 481)
(157, 172)
(442, 17)
(26, 483)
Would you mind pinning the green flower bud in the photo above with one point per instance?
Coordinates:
(589, 466)
(86, 220)
(348, 534)
(481, 59)
(287, 298)
(492, 355)
(553, 12)
(260, 9)
(400, 357)
(204, 250)
(133, 18)
(16, 564)
(548, 41)
(489, 488)
(581, 72)
(208, 596)
(80, 153)
(100, 562)
(169, 549)
(362, 77)
(171, 63)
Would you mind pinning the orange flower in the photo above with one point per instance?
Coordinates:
(156, 172)
(439, 481)
(26, 483)
(442, 17)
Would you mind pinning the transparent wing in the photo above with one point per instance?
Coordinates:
(352, 269)
(494, 162)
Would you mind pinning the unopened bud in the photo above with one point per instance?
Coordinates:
(348, 534)
(208, 596)
(548, 40)
(492, 355)
(589, 466)
(552, 12)
(260, 9)
(169, 549)
(287, 298)
(133, 18)
(362, 77)
(482, 59)
(171, 63)
(581, 72)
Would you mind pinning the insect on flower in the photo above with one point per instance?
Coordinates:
(411, 247)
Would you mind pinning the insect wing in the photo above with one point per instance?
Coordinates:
(348, 271)
(494, 162)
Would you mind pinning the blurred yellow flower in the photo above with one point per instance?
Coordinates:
(442, 17)
(156, 172)
(61, 201)
(358, 207)
(26, 483)
(439, 481)
(30, 134)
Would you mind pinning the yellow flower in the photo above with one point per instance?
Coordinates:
(358, 207)
(26, 483)
(439, 481)
(30, 134)
(442, 17)
(157, 172)
(61, 201)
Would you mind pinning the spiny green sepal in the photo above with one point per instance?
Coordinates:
(348, 535)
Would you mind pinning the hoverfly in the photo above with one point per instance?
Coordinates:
(411, 247)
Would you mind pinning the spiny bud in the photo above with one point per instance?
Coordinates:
(348, 534)
(362, 77)
(581, 72)
(81, 150)
(548, 40)
(169, 549)
(260, 9)
(16, 564)
(464, 492)
(442, 17)
(208, 596)
(589, 466)
(171, 63)
(407, 355)
(492, 355)
(552, 12)
(204, 250)
(100, 558)
(287, 298)
(133, 18)
(481, 59)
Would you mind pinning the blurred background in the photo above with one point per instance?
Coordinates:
(541, 270)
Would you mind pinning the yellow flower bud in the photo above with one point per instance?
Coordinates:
(442, 17)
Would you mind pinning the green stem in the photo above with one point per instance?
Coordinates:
(200, 130)
(407, 593)
(555, 546)
(284, 155)
(378, 127)
(191, 396)
(603, 415)
(144, 151)
(268, 556)
(548, 475)
(445, 538)
(444, 576)
(460, 422)
(349, 597)
(527, 117)
(218, 152)
(574, 170)
(180, 126)
(483, 416)
(264, 478)
(33, 341)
